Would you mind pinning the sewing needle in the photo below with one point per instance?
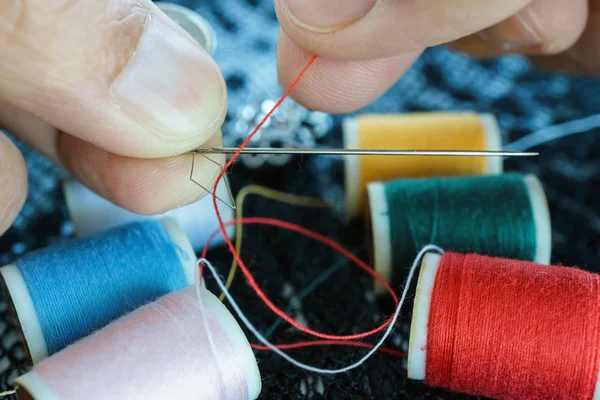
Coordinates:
(373, 152)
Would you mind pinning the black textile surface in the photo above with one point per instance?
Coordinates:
(522, 98)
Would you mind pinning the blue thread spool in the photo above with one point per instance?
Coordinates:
(63, 293)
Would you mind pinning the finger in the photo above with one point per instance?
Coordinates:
(118, 74)
(373, 29)
(338, 86)
(13, 178)
(163, 181)
(143, 186)
(30, 130)
(584, 57)
(543, 27)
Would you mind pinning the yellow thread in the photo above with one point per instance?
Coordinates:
(287, 198)
(416, 131)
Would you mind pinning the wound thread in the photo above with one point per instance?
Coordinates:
(501, 215)
(178, 347)
(509, 329)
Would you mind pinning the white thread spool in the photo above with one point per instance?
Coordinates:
(21, 304)
(380, 227)
(33, 385)
(92, 213)
(427, 131)
(192, 23)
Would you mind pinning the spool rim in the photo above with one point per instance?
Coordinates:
(541, 219)
(417, 353)
(493, 142)
(352, 175)
(69, 188)
(179, 239)
(381, 238)
(26, 314)
(597, 388)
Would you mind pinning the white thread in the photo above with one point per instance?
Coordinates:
(208, 332)
(307, 367)
(554, 132)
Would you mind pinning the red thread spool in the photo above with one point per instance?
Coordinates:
(506, 329)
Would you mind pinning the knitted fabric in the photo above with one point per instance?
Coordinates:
(524, 99)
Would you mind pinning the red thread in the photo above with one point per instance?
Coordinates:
(513, 330)
(249, 278)
(331, 343)
(322, 239)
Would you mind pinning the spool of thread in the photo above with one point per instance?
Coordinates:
(192, 23)
(501, 215)
(416, 131)
(174, 348)
(92, 213)
(506, 329)
(63, 293)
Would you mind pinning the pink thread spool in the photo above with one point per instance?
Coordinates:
(174, 348)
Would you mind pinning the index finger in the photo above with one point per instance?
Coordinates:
(374, 29)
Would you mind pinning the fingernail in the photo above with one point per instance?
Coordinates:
(171, 84)
(513, 34)
(327, 15)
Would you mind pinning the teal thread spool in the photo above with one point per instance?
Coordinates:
(65, 292)
(503, 215)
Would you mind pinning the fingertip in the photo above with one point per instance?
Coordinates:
(13, 180)
(142, 186)
(337, 86)
(172, 88)
(542, 28)
(559, 23)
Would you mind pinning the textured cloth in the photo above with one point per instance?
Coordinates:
(522, 98)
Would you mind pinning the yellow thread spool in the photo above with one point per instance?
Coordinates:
(416, 131)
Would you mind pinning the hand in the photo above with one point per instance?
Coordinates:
(366, 45)
(113, 91)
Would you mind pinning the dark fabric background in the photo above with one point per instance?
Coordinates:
(522, 98)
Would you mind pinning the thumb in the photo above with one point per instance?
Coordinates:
(118, 74)
(13, 180)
